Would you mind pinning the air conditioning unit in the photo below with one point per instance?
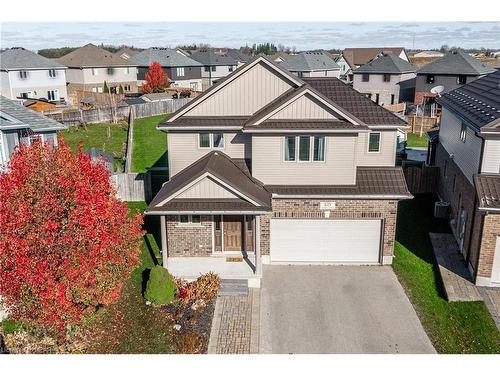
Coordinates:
(441, 210)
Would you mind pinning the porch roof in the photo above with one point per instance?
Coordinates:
(208, 206)
(488, 192)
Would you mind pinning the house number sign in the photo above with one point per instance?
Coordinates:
(327, 205)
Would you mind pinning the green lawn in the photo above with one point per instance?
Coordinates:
(150, 144)
(96, 135)
(414, 140)
(453, 327)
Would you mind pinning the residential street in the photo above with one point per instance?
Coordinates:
(337, 309)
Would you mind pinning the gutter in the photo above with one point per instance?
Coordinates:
(167, 212)
(182, 128)
(285, 130)
(340, 196)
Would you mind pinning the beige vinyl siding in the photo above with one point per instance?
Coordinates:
(491, 156)
(303, 107)
(183, 149)
(244, 96)
(466, 155)
(269, 167)
(386, 157)
(206, 188)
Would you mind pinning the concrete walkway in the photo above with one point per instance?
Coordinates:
(337, 309)
(456, 278)
(491, 298)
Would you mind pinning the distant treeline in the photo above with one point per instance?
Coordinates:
(54, 53)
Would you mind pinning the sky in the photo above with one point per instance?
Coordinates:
(301, 35)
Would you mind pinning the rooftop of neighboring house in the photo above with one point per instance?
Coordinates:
(210, 58)
(488, 191)
(237, 55)
(20, 58)
(126, 51)
(279, 56)
(310, 61)
(428, 54)
(477, 103)
(360, 56)
(13, 115)
(91, 56)
(165, 56)
(454, 63)
(386, 63)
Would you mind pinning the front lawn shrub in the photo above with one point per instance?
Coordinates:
(160, 288)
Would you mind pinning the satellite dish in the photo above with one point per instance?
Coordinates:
(437, 90)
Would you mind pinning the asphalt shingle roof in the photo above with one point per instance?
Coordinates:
(478, 102)
(26, 117)
(488, 191)
(19, 58)
(209, 58)
(238, 55)
(91, 56)
(456, 62)
(310, 61)
(387, 63)
(165, 56)
(360, 56)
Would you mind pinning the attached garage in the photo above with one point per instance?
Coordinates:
(325, 241)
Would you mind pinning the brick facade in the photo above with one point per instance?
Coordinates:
(385, 210)
(491, 229)
(189, 240)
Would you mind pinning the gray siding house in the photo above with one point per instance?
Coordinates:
(467, 151)
(451, 71)
(20, 125)
(181, 70)
(311, 64)
(387, 79)
(215, 67)
(266, 167)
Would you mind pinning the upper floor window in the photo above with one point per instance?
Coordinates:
(430, 78)
(23, 74)
(94, 71)
(52, 73)
(326, 73)
(461, 80)
(206, 68)
(180, 72)
(231, 68)
(386, 78)
(374, 142)
(300, 74)
(211, 140)
(463, 133)
(214, 68)
(110, 71)
(365, 77)
(310, 148)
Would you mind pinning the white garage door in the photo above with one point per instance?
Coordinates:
(338, 241)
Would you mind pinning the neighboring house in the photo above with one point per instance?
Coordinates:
(20, 125)
(25, 74)
(426, 54)
(467, 153)
(214, 68)
(268, 168)
(126, 53)
(386, 80)
(312, 64)
(238, 56)
(353, 58)
(90, 66)
(451, 71)
(181, 70)
(279, 57)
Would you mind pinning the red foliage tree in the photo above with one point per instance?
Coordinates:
(67, 244)
(156, 79)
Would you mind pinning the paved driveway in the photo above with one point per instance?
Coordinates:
(337, 309)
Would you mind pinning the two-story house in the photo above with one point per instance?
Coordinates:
(25, 74)
(353, 58)
(21, 125)
(268, 168)
(215, 67)
(90, 67)
(468, 154)
(451, 71)
(387, 79)
(181, 70)
(312, 64)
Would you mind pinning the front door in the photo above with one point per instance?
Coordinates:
(233, 233)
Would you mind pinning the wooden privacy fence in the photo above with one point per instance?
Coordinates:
(420, 178)
(116, 113)
(135, 187)
(419, 125)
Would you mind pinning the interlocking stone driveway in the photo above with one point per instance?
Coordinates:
(337, 309)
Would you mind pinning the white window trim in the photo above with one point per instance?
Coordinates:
(379, 143)
(211, 141)
(190, 221)
(297, 149)
(180, 69)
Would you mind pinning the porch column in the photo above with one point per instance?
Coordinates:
(164, 246)
(256, 231)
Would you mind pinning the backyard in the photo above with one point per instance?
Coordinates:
(414, 140)
(150, 144)
(453, 327)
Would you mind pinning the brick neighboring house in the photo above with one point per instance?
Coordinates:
(451, 71)
(467, 150)
(90, 66)
(266, 167)
(387, 79)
